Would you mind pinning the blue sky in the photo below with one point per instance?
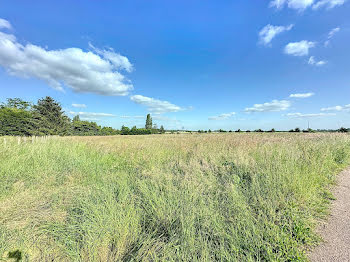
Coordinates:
(192, 64)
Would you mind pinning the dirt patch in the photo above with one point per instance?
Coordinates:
(336, 231)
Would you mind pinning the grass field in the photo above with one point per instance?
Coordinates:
(209, 197)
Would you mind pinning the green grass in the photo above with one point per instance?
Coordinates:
(210, 197)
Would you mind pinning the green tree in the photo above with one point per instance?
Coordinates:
(108, 131)
(85, 128)
(17, 122)
(148, 122)
(309, 130)
(52, 119)
(161, 129)
(124, 130)
(133, 130)
(76, 118)
(16, 118)
(16, 103)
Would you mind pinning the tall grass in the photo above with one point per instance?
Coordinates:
(209, 197)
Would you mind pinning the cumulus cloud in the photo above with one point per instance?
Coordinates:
(331, 34)
(5, 24)
(300, 115)
(84, 72)
(337, 108)
(90, 114)
(312, 61)
(155, 106)
(329, 4)
(273, 106)
(116, 59)
(270, 31)
(301, 95)
(299, 48)
(299, 5)
(222, 116)
(79, 105)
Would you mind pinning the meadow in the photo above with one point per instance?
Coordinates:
(180, 197)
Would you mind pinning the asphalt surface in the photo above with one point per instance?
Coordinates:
(336, 231)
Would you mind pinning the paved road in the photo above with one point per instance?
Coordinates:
(336, 232)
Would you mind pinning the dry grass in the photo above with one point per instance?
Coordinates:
(208, 197)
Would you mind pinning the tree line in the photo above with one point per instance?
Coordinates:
(296, 130)
(46, 117)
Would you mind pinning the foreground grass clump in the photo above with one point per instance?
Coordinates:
(210, 197)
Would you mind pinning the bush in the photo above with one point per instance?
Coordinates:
(18, 122)
(344, 130)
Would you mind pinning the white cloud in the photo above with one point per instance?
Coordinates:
(278, 3)
(270, 31)
(154, 105)
(7, 37)
(5, 24)
(89, 119)
(329, 4)
(299, 5)
(301, 95)
(222, 116)
(166, 119)
(337, 108)
(300, 115)
(299, 48)
(90, 114)
(83, 72)
(312, 61)
(116, 59)
(136, 117)
(273, 106)
(79, 105)
(331, 34)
